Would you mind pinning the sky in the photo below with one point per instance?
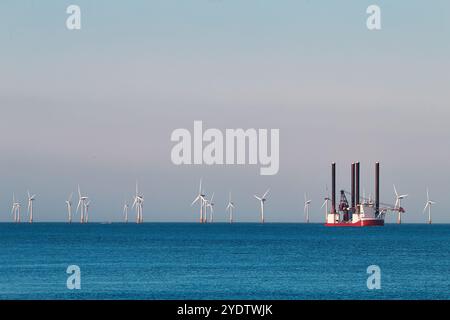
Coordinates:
(97, 106)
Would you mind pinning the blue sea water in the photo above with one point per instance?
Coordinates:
(223, 261)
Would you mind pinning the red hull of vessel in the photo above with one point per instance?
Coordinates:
(361, 223)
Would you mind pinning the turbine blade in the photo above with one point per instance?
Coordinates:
(195, 200)
(257, 197)
(265, 193)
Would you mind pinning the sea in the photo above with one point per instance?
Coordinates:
(224, 261)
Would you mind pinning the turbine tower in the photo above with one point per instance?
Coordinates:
(125, 211)
(31, 198)
(398, 204)
(205, 207)
(200, 197)
(428, 205)
(81, 205)
(13, 209)
(210, 204)
(306, 208)
(86, 210)
(230, 208)
(69, 207)
(262, 200)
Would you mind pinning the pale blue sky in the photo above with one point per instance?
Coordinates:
(97, 106)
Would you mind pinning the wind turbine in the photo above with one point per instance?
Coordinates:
(81, 205)
(398, 204)
(325, 204)
(69, 207)
(15, 210)
(200, 197)
(138, 209)
(428, 205)
(125, 211)
(31, 198)
(138, 203)
(210, 204)
(306, 208)
(262, 199)
(230, 208)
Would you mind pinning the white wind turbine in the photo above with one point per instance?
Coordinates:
(15, 210)
(210, 205)
(141, 207)
(69, 207)
(262, 200)
(326, 200)
(200, 197)
(306, 208)
(398, 204)
(81, 205)
(31, 198)
(125, 211)
(139, 204)
(428, 205)
(230, 208)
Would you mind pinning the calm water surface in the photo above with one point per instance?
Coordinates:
(223, 261)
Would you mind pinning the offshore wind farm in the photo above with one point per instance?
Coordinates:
(338, 214)
(224, 149)
(259, 259)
